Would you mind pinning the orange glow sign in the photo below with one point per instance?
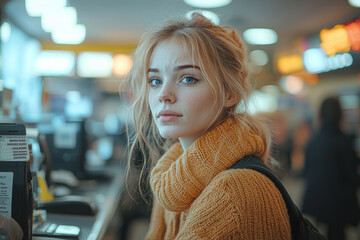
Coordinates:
(353, 30)
(289, 64)
(335, 40)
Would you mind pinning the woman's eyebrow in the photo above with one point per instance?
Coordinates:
(177, 68)
(155, 70)
(181, 67)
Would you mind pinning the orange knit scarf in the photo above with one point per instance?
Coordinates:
(179, 177)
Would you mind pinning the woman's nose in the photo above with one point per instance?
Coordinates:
(167, 94)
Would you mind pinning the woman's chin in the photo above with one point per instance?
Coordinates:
(168, 135)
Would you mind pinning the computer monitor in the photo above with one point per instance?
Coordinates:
(67, 146)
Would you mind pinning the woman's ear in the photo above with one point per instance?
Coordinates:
(230, 100)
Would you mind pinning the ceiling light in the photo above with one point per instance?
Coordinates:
(259, 57)
(63, 18)
(260, 36)
(74, 35)
(35, 8)
(94, 64)
(354, 3)
(55, 63)
(208, 14)
(207, 3)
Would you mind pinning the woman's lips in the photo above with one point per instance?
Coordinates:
(168, 116)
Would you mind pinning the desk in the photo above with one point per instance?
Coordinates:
(107, 197)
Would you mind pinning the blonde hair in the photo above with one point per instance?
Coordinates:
(221, 57)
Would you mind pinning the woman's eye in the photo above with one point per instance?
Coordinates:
(154, 82)
(188, 80)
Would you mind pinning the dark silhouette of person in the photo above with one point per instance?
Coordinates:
(331, 177)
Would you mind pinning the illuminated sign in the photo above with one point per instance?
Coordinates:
(289, 64)
(316, 61)
(335, 40)
(353, 30)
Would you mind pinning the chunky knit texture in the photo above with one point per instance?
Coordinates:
(194, 198)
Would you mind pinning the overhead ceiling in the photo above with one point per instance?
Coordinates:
(121, 22)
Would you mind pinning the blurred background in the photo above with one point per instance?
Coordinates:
(61, 62)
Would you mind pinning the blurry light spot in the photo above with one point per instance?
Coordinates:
(207, 3)
(71, 35)
(315, 60)
(348, 59)
(73, 96)
(94, 64)
(208, 14)
(289, 64)
(5, 32)
(259, 57)
(353, 31)
(260, 36)
(105, 148)
(292, 84)
(271, 89)
(122, 64)
(77, 106)
(354, 3)
(55, 63)
(349, 101)
(262, 102)
(111, 124)
(36, 8)
(335, 40)
(60, 19)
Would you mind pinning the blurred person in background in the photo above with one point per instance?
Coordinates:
(188, 79)
(331, 177)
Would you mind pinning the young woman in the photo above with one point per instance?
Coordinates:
(188, 79)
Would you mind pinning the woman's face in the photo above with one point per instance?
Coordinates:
(180, 99)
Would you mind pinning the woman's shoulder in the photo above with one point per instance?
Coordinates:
(252, 196)
(245, 182)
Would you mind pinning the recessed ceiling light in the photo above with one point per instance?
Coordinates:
(35, 8)
(260, 36)
(94, 64)
(55, 63)
(208, 14)
(73, 35)
(61, 19)
(354, 3)
(207, 3)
